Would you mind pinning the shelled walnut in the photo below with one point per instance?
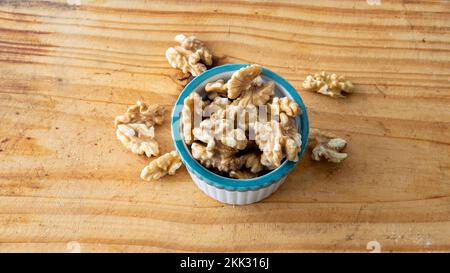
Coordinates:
(138, 138)
(269, 139)
(135, 128)
(192, 108)
(328, 84)
(211, 130)
(220, 162)
(327, 146)
(277, 140)
(149, 115)
(218, 86)
(166, 164)
(191, 56)
(292, 140)
(284, 105)
(248, 87)
(217, 105)
(252, 161)
(245, 130)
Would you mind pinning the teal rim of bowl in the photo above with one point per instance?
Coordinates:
(224, 182)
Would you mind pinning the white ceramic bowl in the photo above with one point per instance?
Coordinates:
(224, 189)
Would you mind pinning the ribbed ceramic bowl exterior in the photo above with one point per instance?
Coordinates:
(236, 197)
(223, 189)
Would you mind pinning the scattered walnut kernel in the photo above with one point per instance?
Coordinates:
(328, 84)
(167, 164)
(138, 138)
(327, 146)
(191, 56)
(135, 128)
(142, 113)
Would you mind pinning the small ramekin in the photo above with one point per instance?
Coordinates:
(228, 190)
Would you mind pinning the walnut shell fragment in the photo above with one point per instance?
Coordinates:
(327, 146)
(191, 56)
(166, 164)
(328, 84)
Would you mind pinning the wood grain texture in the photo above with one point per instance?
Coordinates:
(66, 71)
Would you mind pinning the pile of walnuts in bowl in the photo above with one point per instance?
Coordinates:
(239, 128)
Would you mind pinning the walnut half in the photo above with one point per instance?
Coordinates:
(138, 138)
(248, 87)
(192, 110)
(221, 162)
(191, 56)
(142, 113)
(327, 146)
(245, 86)
(135, 128)
(328, 84)
(277, 140)
(166, 164)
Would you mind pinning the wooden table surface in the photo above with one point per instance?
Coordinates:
(68, 69)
